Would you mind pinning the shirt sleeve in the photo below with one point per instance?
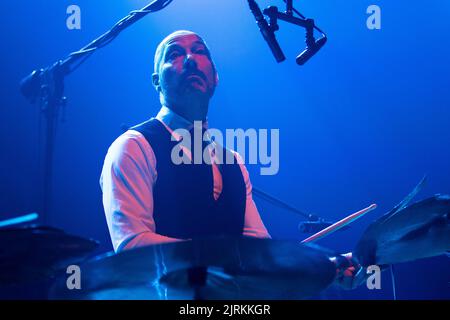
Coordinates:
(253, 224)
(127, 179)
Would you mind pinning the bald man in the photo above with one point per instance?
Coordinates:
(149, 199)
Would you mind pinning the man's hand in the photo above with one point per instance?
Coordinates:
(349, 273)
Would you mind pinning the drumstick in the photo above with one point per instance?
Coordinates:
(338, 225)
(18, 220)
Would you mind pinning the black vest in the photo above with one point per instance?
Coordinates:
(184, 204)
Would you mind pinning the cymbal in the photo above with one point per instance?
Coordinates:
(412, 232)
(34, 253)
(237, 268)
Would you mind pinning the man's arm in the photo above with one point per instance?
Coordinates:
(253, 225)
(128, 175)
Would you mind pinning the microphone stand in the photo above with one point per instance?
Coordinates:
(313, 222)
(46, 87)
(283, 205)
(274, 15)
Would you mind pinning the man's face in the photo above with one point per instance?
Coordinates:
(186, 69)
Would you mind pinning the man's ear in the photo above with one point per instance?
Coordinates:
(155, 81)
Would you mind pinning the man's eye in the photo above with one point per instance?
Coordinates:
(174, 55)
(200, 51)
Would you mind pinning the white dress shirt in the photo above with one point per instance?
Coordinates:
(127, 180)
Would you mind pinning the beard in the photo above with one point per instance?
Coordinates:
(188, 91)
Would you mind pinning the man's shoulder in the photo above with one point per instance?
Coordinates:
(127, 139)
(131, 142)
(129, 154)
(149, 127)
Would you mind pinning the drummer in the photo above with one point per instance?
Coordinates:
(150, 200)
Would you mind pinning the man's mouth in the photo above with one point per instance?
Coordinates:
(195, 76)
(195, 81)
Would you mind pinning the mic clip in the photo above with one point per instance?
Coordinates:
(271, 12)
(274, 15)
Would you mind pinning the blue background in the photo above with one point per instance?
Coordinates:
(360, 123)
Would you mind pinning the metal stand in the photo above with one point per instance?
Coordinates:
(312, 224)
(46, 88)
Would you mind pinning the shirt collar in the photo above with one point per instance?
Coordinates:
(173, 121)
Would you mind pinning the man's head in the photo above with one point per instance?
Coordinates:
(184, 75)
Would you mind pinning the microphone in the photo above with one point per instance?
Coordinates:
(31, 85)
(313, 226)
(310, 51)
(266, 31)
(316, 226)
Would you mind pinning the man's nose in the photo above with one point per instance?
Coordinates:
(189, 62)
